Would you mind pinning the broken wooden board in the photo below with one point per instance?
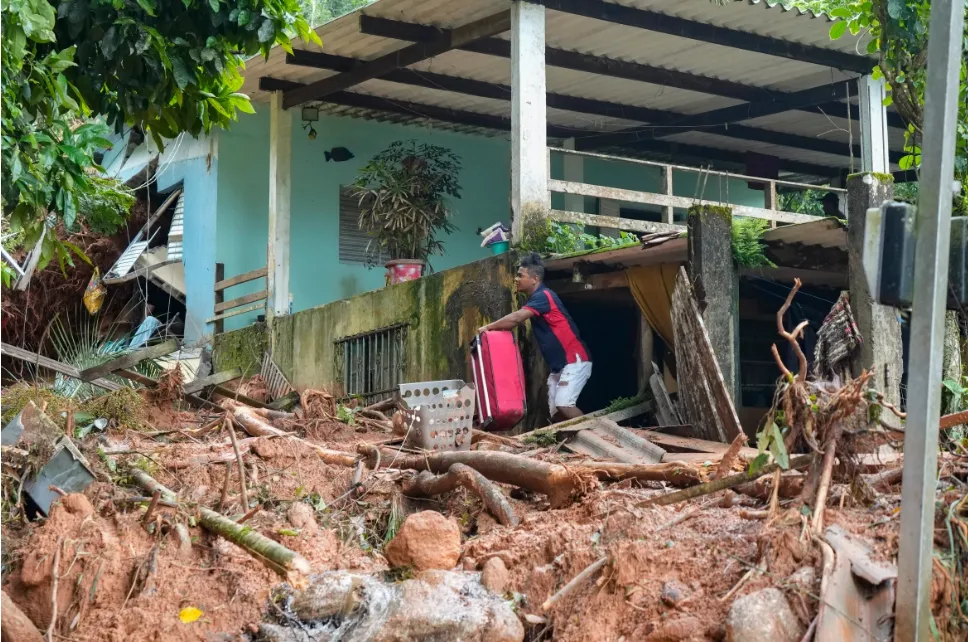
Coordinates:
(45, 362)
(665, 411)
(218, 378)
(578, 423)
(693, 445)
(129, 360)
(859, 601)
(706, 401)
(604, 439)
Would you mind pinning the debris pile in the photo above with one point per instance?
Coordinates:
(210, 515)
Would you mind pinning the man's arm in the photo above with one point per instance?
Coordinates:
(510, 321)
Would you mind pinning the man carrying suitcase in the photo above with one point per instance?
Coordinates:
(557, 337)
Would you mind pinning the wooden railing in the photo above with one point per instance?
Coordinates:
(239, 305)
(669, 201)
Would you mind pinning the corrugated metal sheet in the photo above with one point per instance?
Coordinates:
(585, 35)
(127, 259)
(825, 232)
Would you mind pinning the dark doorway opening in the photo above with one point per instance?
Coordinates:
(608, 321)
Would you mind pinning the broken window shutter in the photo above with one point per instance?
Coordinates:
(127, 260)
(353, 241)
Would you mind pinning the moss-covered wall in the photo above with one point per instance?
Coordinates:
(443, 310)
(242, 349)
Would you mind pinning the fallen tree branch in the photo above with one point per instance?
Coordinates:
(425, 484)
(16, 624)
(257, 426)
(287, 563)
(576, 581)
(238, 457)
(480, 435)
(730, 456)
(554, 480)
(721, 484)
(675, 473)
(148, 483)
(954, 419)
(55, 575)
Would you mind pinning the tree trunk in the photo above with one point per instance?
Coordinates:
(289, 564)
(15, 626)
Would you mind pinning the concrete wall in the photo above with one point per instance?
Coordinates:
(443, 310)
(317, 276)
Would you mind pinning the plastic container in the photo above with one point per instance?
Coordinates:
(402, 270)
(439, 414)
(500, 247)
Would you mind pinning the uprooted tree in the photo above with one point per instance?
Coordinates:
(73, 70)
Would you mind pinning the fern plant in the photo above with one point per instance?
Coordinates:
(749, 250)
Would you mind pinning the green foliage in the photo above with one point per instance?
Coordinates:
(898, 34)
(770, 443)
(621, 403)
(404, 194)
(546, 236)
(346, 414)
(73, 68)
(748, 245)
(319, 12)
(542, 438)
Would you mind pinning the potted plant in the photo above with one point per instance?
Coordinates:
(404, 195)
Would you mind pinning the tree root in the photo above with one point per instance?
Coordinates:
(16, 624)
(675, 473)
(425, 484)
(576, 581)
(257, 426)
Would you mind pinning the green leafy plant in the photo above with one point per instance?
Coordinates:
(73, 69)
(404, 194)
(898, 34)
(956, 393)
(568, 238)
(748, 246)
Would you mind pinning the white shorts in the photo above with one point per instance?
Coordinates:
(565, 386)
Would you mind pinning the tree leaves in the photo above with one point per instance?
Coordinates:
(838, 29)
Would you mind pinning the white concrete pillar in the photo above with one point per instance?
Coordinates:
(280, 184)
(529, 117)
(574, 171)
(873, 126)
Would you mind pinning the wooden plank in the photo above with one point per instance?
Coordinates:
(219, 294)
(45, 362)
(232, 394)
(242, 300)
(694, 445)
(129, 360)
(452, 39)
(614, 222)
(577, 424)
(145, 271)
(236, 312)
(245, 277)
(215, 379)
(665, 200)
(665, 411)
(705, 400)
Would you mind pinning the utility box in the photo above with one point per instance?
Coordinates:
(439, 414)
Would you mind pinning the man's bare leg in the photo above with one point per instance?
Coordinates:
(569, 412)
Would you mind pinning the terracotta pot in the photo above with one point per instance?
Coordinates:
(401, 270)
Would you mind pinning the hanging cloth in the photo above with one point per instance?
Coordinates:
(652, 287)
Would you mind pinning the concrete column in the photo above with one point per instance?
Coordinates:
(873, 126)
(881, 350)
(574, 171)
(280, 184)
(716, 281)
(529, 119)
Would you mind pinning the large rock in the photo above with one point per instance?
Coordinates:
(349, 607)
(494, 575)
(302, 516)
(764, 616)
(426, 540)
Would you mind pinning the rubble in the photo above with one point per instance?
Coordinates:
(764, 616)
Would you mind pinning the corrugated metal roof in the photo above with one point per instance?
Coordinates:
(605, 39)
(825, 232)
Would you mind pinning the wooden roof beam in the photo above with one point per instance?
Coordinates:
(576, 104)
(713, 34)
(445, 41)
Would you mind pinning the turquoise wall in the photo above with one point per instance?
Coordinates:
(316, 276)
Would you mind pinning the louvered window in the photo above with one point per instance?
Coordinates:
(353, 241)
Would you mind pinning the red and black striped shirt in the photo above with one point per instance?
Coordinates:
(554, 330)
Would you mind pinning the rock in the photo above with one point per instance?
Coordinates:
(764, 616)
(437, 605)
(805, 579)
(673, 592)
(682, 628)
(301, 516)
(469, 564)
(426, 540)
(494, 575)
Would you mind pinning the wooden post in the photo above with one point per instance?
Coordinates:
(668, 213)
(280, 159)
(219, 296)
(646, 351)
(529, 117)
(769, 198)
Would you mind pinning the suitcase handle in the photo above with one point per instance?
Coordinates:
(480, 363)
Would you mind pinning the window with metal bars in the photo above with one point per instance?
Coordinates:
(371, 364)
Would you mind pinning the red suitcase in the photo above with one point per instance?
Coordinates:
(499, 379)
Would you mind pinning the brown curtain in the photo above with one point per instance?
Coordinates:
(652, 287)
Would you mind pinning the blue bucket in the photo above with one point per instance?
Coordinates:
(500, 247)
